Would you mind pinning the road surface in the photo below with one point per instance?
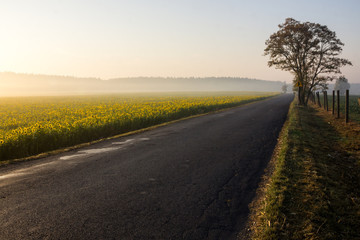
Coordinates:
(192, 179)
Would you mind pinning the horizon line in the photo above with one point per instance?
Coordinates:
(122, 77)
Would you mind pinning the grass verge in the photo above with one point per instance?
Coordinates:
(312, 186)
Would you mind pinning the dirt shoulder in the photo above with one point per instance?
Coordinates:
(312, 186)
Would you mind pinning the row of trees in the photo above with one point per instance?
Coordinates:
(309, 51)
(341, 84)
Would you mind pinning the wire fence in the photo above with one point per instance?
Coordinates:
(341, 106)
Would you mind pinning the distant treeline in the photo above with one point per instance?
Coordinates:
(354, 88)
(32, 84)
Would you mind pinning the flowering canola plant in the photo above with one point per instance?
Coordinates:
(32, 125)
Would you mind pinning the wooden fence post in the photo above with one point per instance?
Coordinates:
(338, 103)
(347, 106)
(314, 97)
(333, 103)
(327, 103)
(318, 98)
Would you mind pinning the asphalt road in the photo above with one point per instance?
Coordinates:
(192, 179)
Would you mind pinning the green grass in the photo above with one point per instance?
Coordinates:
(354, 108)
(313, 191)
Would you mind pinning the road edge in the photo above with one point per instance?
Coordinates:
(257, 202)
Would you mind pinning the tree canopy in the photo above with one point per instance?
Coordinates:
(309, 51)
(342, 85)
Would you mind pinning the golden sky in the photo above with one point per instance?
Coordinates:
(180, 38)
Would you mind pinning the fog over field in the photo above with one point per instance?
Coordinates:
(12, 84)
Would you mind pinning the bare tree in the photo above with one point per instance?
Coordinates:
(309, 51)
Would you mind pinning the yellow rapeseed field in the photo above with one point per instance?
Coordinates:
(32, 125)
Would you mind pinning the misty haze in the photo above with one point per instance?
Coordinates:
(12, 84)
(15, 84)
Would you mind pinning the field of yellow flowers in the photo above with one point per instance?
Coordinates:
(33, 125)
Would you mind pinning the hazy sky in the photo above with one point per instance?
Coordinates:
(179, 38)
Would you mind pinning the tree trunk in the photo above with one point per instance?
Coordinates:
(302, 96)
(308, 95)
(307, 98)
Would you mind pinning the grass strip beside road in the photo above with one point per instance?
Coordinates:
(312, 187)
